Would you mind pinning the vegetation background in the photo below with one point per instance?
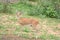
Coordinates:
(46, 11)
(47, 8)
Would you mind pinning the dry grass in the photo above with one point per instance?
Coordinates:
(47, 27)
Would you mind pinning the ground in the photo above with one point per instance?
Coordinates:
(49, 28)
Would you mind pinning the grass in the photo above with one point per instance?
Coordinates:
(10, 25)
(49, 37)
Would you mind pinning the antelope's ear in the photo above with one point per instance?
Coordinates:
(19, 12)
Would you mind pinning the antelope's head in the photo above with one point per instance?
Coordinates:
(18, 14)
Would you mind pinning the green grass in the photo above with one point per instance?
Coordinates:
(26, 30)
(49, 37)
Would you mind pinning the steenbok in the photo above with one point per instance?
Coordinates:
(26, 21)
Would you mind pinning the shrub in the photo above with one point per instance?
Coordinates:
(1, 7)
(36, 11)
(50, 12)
(46, 9)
